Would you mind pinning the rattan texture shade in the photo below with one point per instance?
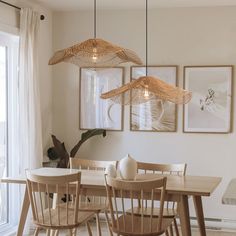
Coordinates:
(147, 88)
(133, 93)
(107, 54)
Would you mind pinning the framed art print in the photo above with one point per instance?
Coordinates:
(209, 110)
(155, 115)
(97, 113)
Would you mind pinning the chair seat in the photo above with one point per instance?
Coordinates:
(44, 220)
(93, 206)
(126, 228)
(167, 213)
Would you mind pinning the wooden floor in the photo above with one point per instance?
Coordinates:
(83, 232)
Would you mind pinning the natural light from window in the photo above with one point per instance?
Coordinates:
(9, 161)
(3, 196)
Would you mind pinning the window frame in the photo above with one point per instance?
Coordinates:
(10, 40)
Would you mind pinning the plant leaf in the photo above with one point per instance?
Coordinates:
(84, 137)
(61, 151)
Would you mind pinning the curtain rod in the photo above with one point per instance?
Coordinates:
(42, 17)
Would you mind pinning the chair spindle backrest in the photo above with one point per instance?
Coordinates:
(168, 169)
(83, 164)
(163, 169)
(121, 196)
(41, 187)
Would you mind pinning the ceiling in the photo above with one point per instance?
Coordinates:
(70, 5)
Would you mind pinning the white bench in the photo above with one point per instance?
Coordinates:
(229, 196)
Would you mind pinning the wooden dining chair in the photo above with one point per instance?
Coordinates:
(92, 203)
(170, 209)
(122, 194)
(63, 215)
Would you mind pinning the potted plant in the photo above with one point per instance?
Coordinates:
(59, 150)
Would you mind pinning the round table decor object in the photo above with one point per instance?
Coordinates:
(111, 171)
(128, 168)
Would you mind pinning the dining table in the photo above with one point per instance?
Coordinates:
(179, 189)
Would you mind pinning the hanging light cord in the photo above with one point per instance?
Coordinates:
(95, 19)
(146, 37)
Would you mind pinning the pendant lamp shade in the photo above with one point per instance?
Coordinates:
(95, 53)
(147, 88)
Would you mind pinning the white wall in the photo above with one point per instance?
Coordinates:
(10, 17)
(181, 36)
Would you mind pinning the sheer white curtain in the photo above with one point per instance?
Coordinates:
(30, 140)
(29, 114)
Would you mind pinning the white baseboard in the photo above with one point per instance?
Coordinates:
(226, 225)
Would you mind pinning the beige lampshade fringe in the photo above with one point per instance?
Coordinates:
(133, 93)
(107, 54)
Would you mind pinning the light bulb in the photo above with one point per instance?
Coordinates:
(95, 55)
(146, 92)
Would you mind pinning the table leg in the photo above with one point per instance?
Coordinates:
(200, 215)
(183, 210)
(24, 212)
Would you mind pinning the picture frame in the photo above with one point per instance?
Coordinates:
(209, 110)
(155, 115)
(94, 112)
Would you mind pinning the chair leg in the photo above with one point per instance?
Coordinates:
(166, 233)
(89, 229)
(74, 231)
(48, 231)
(171, 230)
(71, 233)
(108, 224)
(99, 231)
(52, 232)
(176, 227)
(36, 232)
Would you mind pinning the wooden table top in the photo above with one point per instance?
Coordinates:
(186, 185)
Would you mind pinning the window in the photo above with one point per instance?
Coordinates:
(3, 133)
(9, 204)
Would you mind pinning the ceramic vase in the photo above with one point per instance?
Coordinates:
(111, 171)
(128, 168)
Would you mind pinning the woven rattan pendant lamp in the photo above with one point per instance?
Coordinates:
(95, 52)
(147, 88)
